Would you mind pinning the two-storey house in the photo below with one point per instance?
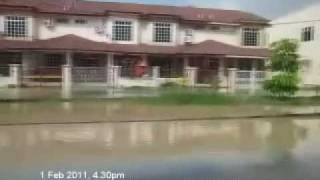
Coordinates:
(43, 35)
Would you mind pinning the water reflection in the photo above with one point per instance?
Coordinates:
(272, 147)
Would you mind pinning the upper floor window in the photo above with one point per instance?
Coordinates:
(62, 20)
(122, 31)
(251, 36)
(162, 32)
(81, 21)
(16, 26)
(307, 34)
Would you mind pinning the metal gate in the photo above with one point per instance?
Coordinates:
(208, 76)
(97, 75)
(42, 76)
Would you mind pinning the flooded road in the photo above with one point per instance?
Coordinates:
(264, 149)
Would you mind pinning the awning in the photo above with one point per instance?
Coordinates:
(78, 44)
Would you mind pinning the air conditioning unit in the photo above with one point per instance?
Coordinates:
(49, 23)
(99, 29)
(188, 38)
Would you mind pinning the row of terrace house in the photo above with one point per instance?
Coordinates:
(65, 42)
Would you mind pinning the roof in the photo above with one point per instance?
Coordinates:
(76, 43)
(211, 47)
(187, 13)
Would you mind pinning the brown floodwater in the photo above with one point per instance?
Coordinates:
(261, 149)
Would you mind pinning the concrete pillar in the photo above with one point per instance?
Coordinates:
(221, 75)
(191, 75)
(232, 77)
(110, 60)
(156, 75)
(155, 72)
(185, 65)
(67, 72)
(268, 69)
(253, 85)
(16, 74)
(69, 58)
(114, 73)
(66, 77)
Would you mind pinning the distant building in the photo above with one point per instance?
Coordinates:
(303, 25)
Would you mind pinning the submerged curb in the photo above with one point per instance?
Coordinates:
(288, 115)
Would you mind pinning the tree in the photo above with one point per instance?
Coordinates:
(284, 61)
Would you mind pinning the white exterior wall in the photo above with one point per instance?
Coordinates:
(142, 30)
(291, 27)
(82, 30)
(230, 35)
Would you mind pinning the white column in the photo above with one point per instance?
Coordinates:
(66, 77)
(156, 75)
(155, 72)
(110, 60)
(16, 74)
(185, 62)
(253, 86)
(268, 70)
(191, 75)
(232, 73)
(110, 69)
(69, 59)
(116, 76)
(252, 81)
(67, 72)
(221, 75)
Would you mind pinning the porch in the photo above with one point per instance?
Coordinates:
(128, 70)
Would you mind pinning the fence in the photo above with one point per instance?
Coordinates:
(89, 74)
(249, 79)
(208, 76)
(170, 73)
(136, 72)
(42, 75)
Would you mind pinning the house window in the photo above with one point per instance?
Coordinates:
(307, 34)
(16, 26)
(122, 31)
(162, 32)
(251, 36)
(54, 60)
(62, 20)
(81, 21)
(215, 28)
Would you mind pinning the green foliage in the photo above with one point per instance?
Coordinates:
(284, 59)
(190, 97)
(284, 56)
(282, 85)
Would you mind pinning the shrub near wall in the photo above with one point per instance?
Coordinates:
(284, 60)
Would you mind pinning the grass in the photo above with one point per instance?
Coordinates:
(210, 97)
(167, 96)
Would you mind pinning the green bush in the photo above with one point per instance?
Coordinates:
(282, 85)
(284, 56)
(284, 60)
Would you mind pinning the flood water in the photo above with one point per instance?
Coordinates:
(261, 149)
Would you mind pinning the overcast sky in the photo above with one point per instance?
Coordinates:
(267, 8)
